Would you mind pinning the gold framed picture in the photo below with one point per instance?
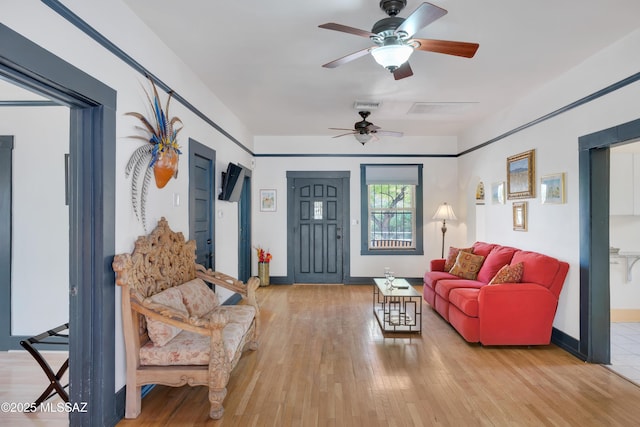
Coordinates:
(521, 173)
(520, 216)
(552, 188)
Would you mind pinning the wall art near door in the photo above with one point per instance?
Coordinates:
(267, 200)
(521, 172)
(552, 188)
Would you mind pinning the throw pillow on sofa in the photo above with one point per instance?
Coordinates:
(508, 274)
(159, 332)
(467, 265)
(453, 255)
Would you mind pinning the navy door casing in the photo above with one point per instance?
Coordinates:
(202, 201)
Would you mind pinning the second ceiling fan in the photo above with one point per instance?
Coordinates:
(393, 38)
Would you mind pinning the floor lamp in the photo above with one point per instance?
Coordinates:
(444, 213)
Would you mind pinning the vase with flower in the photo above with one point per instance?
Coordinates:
(264, 258)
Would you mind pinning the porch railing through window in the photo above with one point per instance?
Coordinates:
(391, 216)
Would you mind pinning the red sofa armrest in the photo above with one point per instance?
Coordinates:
(437, 264)
(516, 314)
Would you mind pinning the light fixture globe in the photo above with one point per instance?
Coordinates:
(392, 56)
(363, 138)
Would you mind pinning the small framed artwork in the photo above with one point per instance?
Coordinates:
(552, 188)
(497, 193)
(520, 216)
(521, 172)
(267, 200)
(480, 193)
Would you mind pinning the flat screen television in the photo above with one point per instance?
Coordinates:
(232, 181)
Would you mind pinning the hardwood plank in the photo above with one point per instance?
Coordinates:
(323, 361)
(22, 381)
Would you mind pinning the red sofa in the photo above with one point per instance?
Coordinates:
(499, 314)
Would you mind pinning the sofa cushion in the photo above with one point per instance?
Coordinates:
(444, 287)
(538, 268)
(198, 297)
(497, 258)
(432, 277)
(482, 248)
(159, 332)
(508, 274)
(453, 255)
(466, 299)
(467, 265)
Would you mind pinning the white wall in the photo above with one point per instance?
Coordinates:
(553, 229)
(37, 22)
(439, 184)
(40, 218)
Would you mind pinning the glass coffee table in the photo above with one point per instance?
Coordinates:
(398, 309)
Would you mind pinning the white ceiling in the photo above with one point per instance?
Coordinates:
(263, 58)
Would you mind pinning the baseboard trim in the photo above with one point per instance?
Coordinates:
(625, 315)
(285, 280)
(567, 343)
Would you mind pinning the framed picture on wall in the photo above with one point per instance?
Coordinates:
(552, 188)
(521, 173)
(520, 216)
(497, 193)
(268, 200)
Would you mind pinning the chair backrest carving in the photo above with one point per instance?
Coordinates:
(161, 260)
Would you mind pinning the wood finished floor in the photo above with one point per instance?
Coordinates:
(323, 361)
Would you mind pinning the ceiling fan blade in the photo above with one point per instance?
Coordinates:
(389, 133)
(347, 58)
(424, 15)
(351, 130)
(464, 49)
(346, 29)
(372, 127)
(403, 71)
(344, 134)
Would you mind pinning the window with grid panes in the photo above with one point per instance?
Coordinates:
(392, 209)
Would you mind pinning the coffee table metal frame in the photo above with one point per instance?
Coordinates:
(399, 309)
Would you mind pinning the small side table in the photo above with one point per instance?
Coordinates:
(399, 309)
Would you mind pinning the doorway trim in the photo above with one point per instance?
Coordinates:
(91, 217)
(198, 149)
(594, 181)
(346, 235)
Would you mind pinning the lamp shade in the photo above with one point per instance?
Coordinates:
(444, 212)
(392, 56)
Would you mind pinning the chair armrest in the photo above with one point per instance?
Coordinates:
(246, 290)
(516, 311)
(437, 264)
(173, 317)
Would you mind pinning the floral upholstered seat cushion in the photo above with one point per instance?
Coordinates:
(241, 314)
(190, 348)
(198, 297)
(159, 332)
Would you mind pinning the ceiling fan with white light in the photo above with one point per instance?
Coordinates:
(393, 38)
(364, 130)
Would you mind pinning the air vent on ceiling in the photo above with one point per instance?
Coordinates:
(440, 107)
(366, 105)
